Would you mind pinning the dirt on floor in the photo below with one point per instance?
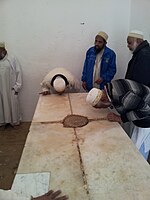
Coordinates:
(12, 141)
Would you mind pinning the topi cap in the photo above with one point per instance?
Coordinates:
(103, 35)
(59, 85)
(136, 34)
(94, 96)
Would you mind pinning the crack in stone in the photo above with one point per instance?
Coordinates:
(82, 165)
(80, 156)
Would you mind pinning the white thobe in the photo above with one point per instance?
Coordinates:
(10, 83)
(97, 68)
(73, 86)
(141, 136)
(10, 195)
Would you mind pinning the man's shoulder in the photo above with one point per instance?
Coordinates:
(145, 51)
(127, 83)
(91, 50)
(108, 50)
(11, 57)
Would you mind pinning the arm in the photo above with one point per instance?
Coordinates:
(84, 72)
(135, 108)
(17, 67)
(51, 195)
(45, 86)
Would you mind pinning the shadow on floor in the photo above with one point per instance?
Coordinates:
(12, 141)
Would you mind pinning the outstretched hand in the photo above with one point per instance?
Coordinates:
(45, 93)
(51, 195)
(114, 118)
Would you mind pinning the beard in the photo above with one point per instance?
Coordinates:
(135, 44)
(98, 50)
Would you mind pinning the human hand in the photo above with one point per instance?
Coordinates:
(51, 195)
(84, 85)
(102, 105)
(45, 93)
(15, 93)
(113, 117)
(98, 81)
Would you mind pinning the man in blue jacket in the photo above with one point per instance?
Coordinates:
(100, 64)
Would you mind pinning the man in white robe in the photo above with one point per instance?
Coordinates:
(59, 80)
(10, 85)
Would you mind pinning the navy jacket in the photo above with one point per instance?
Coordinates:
(139, 66)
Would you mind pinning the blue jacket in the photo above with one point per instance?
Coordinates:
(107, 69)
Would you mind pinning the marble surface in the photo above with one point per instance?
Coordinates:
(113, 166)
(52, 108)
(52, 148)
(97, 161)
(80, 107)
(34, 184)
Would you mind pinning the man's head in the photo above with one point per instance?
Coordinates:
(97, 98)
(100, 41)
(59, 85)
(3, 51)
(134, 39)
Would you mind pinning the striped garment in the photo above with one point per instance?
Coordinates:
(131, 100)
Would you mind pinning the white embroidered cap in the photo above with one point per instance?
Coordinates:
(103, 35)
(136, 34)
(59, 85)
(94, 96)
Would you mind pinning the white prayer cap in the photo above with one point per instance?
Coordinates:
(136, 34)
(94, 96)
(103, 35)
(59, 85)
(2, 44)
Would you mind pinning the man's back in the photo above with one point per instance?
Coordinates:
(132, 101)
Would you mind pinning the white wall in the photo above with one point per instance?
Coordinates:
(44, 34)
(140, 17)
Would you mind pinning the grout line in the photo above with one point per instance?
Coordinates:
(61, 121)
(80, 157)
(70, 104)
(50, 122)
(82, 165)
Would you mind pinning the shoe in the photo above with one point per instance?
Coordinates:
(8, 125)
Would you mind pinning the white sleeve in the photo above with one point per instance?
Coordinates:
(45, 84)
(10, 195)
(17, 68)
(18, 83)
